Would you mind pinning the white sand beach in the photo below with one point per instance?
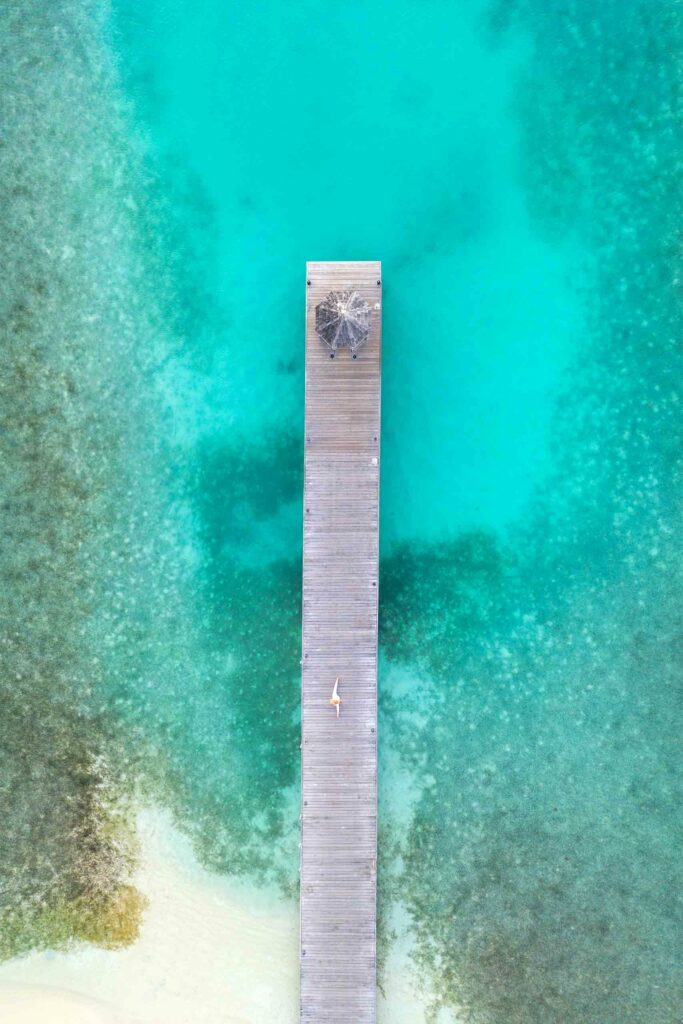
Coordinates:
(210, 951)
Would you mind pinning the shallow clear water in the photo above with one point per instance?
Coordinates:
(167, 172)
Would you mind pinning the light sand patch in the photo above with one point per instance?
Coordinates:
(39, 1004)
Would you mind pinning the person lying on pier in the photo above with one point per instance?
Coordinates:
(336, 699)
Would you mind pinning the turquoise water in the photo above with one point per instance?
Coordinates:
(166, 173)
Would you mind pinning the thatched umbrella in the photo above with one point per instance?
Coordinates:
(342, 320)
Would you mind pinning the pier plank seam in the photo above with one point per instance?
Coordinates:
(338, 869)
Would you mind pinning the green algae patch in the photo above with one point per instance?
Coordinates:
(112, 923)
(66, 848)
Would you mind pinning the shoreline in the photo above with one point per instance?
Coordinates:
(205, 942)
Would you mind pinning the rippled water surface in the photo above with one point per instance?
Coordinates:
(166, 170)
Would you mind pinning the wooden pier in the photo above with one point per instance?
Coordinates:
(340, 589)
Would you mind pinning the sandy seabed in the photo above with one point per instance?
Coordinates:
(210, 951)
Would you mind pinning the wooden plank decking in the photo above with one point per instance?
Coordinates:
(340, 588)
